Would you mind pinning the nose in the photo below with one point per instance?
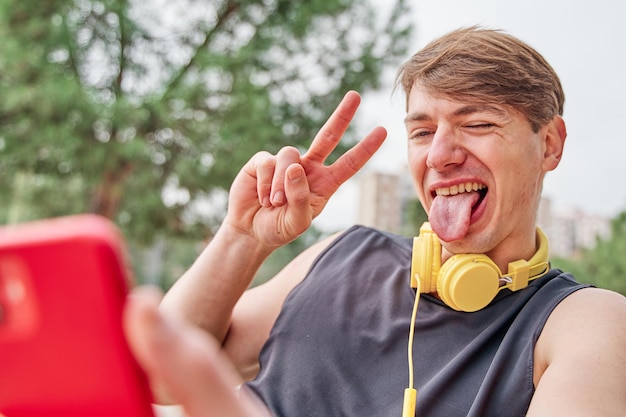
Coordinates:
(445, 150)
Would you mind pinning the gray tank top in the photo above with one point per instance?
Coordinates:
(339, 345)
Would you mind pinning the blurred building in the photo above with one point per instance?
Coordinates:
(380, 201)
(571, 230)
(383, 199)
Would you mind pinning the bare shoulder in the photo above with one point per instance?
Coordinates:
(580, 360)
(589, 319)
(601, 310)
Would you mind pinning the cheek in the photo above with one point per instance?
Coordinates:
(525, 185)
(417, 168)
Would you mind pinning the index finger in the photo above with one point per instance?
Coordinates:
(331, 132)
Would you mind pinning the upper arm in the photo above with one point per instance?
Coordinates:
(580, 357)
(256, 311)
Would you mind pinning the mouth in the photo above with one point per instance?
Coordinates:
(467, 187)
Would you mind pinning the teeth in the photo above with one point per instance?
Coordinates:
(460, 188)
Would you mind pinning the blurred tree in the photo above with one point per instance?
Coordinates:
(605, 265)
(414, 217)
(144, 110)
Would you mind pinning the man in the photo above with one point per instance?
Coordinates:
(484, 126)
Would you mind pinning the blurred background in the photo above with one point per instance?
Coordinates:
(144, 111)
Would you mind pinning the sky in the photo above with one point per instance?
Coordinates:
(585, 42)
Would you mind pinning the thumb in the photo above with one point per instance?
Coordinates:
(186, 361)
(298, 193)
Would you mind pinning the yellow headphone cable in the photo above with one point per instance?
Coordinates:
(410, 393)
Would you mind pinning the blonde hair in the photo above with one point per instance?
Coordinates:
(487, 66)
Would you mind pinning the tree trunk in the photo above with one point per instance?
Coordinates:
(108, 196)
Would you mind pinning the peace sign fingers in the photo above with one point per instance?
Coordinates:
(353, 160)
(330, 134)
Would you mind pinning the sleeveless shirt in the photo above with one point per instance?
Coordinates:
(339, 344)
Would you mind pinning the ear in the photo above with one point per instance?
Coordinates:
(554, 140)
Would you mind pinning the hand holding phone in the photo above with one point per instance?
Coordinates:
(63, 285)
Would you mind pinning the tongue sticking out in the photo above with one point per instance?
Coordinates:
(449, 216)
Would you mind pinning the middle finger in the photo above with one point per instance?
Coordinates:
(285, 157)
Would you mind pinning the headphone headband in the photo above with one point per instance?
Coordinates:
(469, 282)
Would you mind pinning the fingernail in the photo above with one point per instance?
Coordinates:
(279, 197)
(295, 175)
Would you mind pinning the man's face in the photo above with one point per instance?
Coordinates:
(478, 170)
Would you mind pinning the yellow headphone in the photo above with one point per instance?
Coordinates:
(465, 282)
(469, 282)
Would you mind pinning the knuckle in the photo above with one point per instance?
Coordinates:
(290, 152)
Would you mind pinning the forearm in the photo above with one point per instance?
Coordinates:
(206, 294)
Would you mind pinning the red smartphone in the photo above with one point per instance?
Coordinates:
(63, 353)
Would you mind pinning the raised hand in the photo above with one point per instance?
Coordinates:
(275, 198)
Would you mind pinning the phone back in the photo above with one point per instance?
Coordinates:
(63, 284)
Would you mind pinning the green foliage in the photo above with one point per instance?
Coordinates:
(143, 111)
(605, 265)
(415, 216)
(164, 261)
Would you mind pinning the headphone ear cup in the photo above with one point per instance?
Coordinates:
(468, 282)
(426, 260)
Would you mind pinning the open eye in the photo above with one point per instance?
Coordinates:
(420, 134)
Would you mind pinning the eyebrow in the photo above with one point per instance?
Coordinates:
(462, 111)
